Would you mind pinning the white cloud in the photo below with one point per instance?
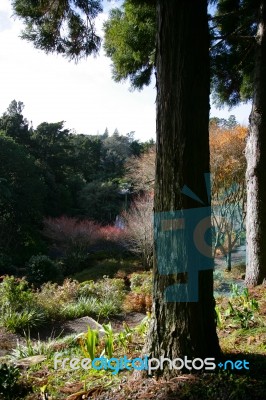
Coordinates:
(84, 95)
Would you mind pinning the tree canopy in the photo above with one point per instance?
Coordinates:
(48, 171)
(233, 30)
(129, 40)
(64, 27)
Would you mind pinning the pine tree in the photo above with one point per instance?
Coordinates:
(239, 74)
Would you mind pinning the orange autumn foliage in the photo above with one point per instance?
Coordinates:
(227, 158)
(228, 166)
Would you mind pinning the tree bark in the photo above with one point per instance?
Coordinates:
(256, 165)
(181, 329)
(229, 260)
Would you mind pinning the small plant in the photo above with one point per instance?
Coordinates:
(90, 306)
(109, 340)
(219, 318)
(241, 307)
(139, 299)
(125, 336)
(53, 298)
(18, 309)
(107, 307)
(109, 294)
(128, 331)
(89, 343)
(106, 287)
(122, 339)
(84, 306)
(234, 290)
(20, 321)
(9, 376)
(31, 349)
(141, 282)
(137, 302)
(141, 329)
(15, 293)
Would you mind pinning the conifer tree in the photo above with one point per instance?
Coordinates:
(239, 74)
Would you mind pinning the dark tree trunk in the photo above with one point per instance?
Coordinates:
(182, 328)
(256, 165)
(229, 260)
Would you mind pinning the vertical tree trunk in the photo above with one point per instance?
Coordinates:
(229, 260)
(182, 328)
(256, 165)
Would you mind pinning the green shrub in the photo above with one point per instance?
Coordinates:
(18, 308)
(84, 306)
(20, 321)
(41, 269)
(104, 288)
(242, 308)
(141, 283)
(91, 306)
(52, 298)
(9, 376)
(110, 294)
(108, 307)
(40, 347)
(15, 293)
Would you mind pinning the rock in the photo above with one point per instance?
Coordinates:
(29, 361)
(8, 341)
(81, 325)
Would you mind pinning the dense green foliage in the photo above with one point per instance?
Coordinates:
(68, 28)
(63, 27)
(49, 172)
(22, 190)
(41, 269)
(69, 184)
(130, 42)
(18, 309)
(9, 375)
(233, 29)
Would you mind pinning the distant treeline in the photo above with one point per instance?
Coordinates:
(50, 171)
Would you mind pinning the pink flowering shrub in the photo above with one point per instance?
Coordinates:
(111, 233)
(72, 237)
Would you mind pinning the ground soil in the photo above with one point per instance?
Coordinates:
(8, 341)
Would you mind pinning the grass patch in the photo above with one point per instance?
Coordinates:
(108, 267)
(244, 340)
(102, 296)
(234, 335)
(238, 271)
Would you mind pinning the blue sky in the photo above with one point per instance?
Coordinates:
(83, 95)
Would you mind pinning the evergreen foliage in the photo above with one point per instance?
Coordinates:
(63, 27)
(49, 172)
(233, 28)
(130, 42)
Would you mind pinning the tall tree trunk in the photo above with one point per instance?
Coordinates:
(182, 328)
(229, 260)
(256, 165)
